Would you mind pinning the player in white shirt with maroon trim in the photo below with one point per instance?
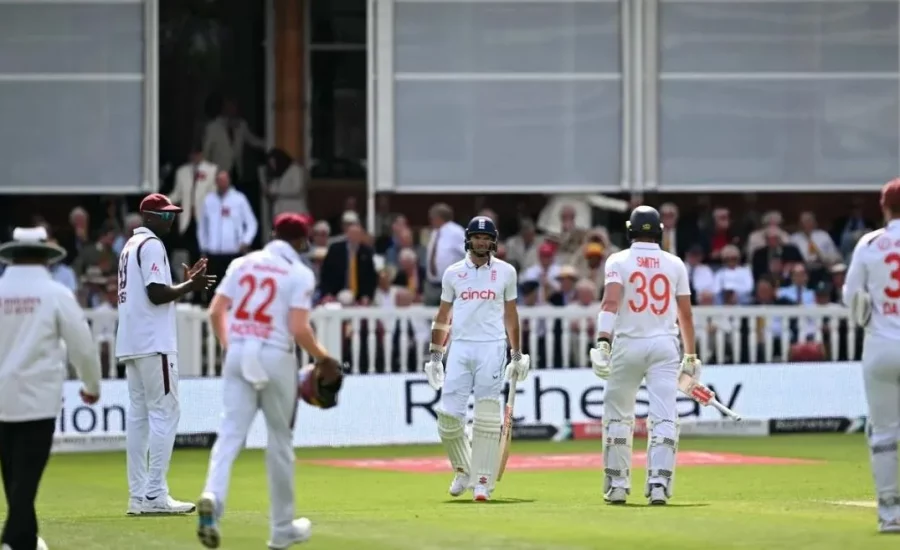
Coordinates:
(259, 313)
(646, 293)
(146, 342)
(872, 291)
(479, 293)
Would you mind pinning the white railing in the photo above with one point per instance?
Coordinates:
(373, 340)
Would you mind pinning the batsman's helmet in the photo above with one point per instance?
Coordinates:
(482, 225)
(644, 223)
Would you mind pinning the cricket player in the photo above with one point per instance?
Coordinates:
(146, 342)
(646, 292)
(259, 311)
(872, 291)
(479, 292)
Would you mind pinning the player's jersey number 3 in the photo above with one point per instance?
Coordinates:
(654, 292)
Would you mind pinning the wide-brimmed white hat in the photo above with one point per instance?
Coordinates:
(31, 241)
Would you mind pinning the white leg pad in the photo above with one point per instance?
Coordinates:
(486, 442)
(662, 445)
(453, 435)
(618, 437)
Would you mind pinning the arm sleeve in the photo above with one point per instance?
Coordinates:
(682, 284)
(251, 225)
(229, 285)
(613, 272)
(511, 289)
(153, 262)
(447, 292)
(82, 350)
(856, 273)
(302, 292)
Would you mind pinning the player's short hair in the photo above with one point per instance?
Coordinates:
(890, 196)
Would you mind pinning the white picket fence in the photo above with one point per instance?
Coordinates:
(370, 339)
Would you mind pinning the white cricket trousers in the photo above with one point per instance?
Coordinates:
(881, 377)
(278, 402)
(472, 366)
(153, 415)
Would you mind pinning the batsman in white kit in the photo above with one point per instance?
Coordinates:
(146, 342)
(646, 292)
(259, 311)
(479, 294)
(872, 291)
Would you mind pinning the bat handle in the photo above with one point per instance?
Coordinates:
(723, 409)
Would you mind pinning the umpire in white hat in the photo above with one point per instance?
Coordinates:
(37, 315)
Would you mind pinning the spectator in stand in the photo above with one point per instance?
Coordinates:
(590, 265)
(386, 291)
(349, 265)
(779, 271)
(490, 214)
(566, 279)
(97, 264)
(410, 274)
(545, 272)
(721, 235)
(132, 222)
(700, 276)
(287, 183)
(762, 237)
(321, 234)
(732, 275)
(402, 237)
(850, 228)
(571, 236)
(80, 236)
(676, 238)
(798, 291)
(838, 274)
(227, 228)
(225, 138)
(445, 247)
(61, 272)
(522, 248)
(194, 180)
(501, 252)
(769, 328)
(103, 325)
(384, 221)
(776, 245)
(815, 245)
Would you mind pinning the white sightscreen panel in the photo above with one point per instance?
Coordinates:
(71, 134)
(710, 36)
(57, 38)
(473, 37)
(808, 131)
(524, 135)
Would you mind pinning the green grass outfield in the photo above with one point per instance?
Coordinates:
(83, 500)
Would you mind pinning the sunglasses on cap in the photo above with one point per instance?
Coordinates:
(165, 216)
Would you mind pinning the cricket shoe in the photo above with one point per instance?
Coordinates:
(135, 506)
(459, 485)
(41, 545)
(482, 493)
(301, 531)
(658, 496)
(616, 495)
(889, 526)
(208, 521)
(166, 505)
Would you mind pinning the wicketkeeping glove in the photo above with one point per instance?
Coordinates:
(600, 359)
(518, 366)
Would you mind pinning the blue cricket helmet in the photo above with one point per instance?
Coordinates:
(482, 225)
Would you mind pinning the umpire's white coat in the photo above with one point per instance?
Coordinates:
(38, 315)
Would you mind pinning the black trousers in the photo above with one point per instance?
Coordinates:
(24, 451)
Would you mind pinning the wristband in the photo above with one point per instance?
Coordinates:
(606, 322)
(515, 355)
(436, 356)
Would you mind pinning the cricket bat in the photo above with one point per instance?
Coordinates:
(506, 430)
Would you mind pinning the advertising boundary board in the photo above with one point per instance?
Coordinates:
(399, 409)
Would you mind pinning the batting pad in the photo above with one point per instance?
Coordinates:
(662, 444)
(486, 441)
(453, 435)
(618, 435)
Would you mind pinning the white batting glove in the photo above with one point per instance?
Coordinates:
(691, 366)
(600, 359)
(518, 366)
(434, 371)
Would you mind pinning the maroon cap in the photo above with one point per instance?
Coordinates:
(292, 226)
(157, 202)
(547, 249)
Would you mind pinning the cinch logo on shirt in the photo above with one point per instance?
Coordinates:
(471, 294)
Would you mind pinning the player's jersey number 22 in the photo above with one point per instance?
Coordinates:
(654, 292)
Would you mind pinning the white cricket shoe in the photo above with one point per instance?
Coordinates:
(208, 521)
(658, 495)
(302, 531)
(482, 493)
(616, 495)
(135, 506)
(167, 505)
(889, 526)
(459, 485)
(41, 545)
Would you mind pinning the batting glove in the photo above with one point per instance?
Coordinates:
(518, 366)
(691, 366)
(600, 360)
(434, 371)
